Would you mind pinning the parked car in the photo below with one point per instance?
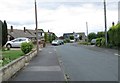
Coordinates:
(72, 41)
(61, 42)
(17, 42)
(93, 41)
(55, 42)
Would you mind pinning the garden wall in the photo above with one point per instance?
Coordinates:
(13, 67)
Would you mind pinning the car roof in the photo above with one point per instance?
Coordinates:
(21, 38)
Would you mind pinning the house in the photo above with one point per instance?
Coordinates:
(31, 34)
(40, 33)
(77, 36)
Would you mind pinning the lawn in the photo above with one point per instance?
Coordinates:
(11, 55)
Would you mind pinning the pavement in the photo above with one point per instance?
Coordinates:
(44, 67)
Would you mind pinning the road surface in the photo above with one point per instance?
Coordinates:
(88, 63)
(79, 63)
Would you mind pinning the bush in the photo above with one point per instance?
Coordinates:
(67, 40)
(84, 43)
(100, 41)
(103, 42)
(113, 34)
(71, 37)
(26, 47)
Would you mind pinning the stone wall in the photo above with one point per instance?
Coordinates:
(10, 69)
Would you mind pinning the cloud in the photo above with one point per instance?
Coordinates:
(59, 17)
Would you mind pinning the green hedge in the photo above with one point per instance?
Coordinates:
(26, 47)
(114, 35)
(100, 41)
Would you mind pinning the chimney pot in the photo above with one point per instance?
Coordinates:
(113, 23)
(11, 29)
(24, 29)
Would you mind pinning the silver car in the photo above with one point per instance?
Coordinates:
(17, 42)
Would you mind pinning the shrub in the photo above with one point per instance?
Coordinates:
(26, 47)
(98, 42)
(113, 33)
(67, 40)
(103, 42)
(71, 37)
(84, 43)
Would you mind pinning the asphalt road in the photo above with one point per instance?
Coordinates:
(79, 63)
(88, 63)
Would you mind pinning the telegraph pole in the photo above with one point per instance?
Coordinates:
(105, 18)
(87, 31)
(36, 27)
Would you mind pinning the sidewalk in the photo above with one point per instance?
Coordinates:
(44, 67)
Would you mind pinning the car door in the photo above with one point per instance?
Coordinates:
(15, 43)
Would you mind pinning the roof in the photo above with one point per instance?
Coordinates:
(73, 33)
(20, 33)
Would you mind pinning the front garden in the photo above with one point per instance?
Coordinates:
(8, 55)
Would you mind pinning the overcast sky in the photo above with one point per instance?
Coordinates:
(59, 16)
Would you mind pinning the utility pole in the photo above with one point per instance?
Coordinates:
(36, 27)
(105, 18)
(87, 31)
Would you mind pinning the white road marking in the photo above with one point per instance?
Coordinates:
(116, 54)
(50, 52)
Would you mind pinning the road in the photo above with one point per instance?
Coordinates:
(79, 63)
(88, 63)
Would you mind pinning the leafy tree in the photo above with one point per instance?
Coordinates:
(50, 37)
(53, 36)
(92, 36)
(80, 37)
(71, 37)
(46, 37)
(4, 33)
(100, 34)
(0, 34)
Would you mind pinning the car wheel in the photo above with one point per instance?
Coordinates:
(9, 45)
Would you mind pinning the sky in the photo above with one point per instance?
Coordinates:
(59, 16)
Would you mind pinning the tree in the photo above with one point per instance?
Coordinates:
(4, 33)
(91, 36)
(0, 34)
(100, 34)
(53, 36)
(50, 37)
(46, 37)
(71, 37)
(80, 37)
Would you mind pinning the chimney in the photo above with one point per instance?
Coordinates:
(11, 29)
(113, 23)
(24, 29)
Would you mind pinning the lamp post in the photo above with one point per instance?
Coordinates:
(36, 27)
